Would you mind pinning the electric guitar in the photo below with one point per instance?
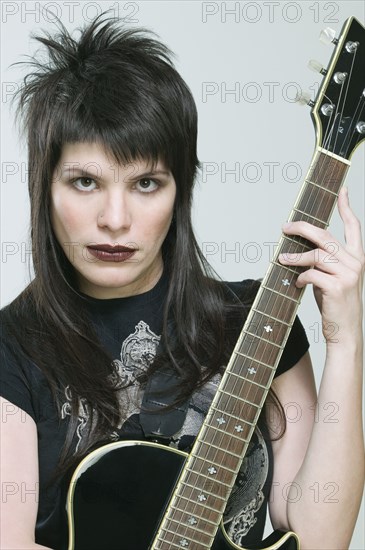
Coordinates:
(140, 495)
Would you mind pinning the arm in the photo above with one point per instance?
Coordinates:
(333, 452)
(19, 471)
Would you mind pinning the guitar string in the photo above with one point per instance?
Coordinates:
(325, 165)
(334, 163)
(242, 385)
(318, 169)
(356, 117)
(322, 170)
(332, 132)
(358, 113)
(273, 308)
(311, 193)
(255, 391)
(347, 134)
(346, 88)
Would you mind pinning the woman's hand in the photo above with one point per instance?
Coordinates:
(338, 273)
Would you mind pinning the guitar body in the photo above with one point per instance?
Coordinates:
(118, 495)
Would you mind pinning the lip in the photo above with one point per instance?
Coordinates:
(110, 253)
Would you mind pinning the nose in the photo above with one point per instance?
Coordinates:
(114, 213)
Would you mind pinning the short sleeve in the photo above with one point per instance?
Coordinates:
(14, 385)
(296, 346)
(17, 377)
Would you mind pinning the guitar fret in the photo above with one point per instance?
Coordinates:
(292, 269)
(227, 433)
(234, 416)
(271, 316)
(328, 153)
(219, 448)
(195, 514)
(254, 360)
(312, 217)
(206, 462)
(203, 489)
(172, 544)
(280, 294)
(217, 510)
(190, 527)
(241, 399)
(186, 537)
(264, 339)
(321, 187)
(246, 380)
(286, 237)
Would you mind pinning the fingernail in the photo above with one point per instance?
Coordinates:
(286, 225)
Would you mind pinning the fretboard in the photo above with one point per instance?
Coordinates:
(198, 503)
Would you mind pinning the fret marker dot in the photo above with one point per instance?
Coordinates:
(251, 370)
(184, 543)
(212, 471)
(221, 420)
(238, 428)
(192, 520)
(285, 282)
(202, 497)
(268, 328)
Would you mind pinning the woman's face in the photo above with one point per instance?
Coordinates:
(111, 220)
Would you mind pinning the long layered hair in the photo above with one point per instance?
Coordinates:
(117, 87)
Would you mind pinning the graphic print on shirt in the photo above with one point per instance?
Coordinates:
(247, 496)
(137, 353)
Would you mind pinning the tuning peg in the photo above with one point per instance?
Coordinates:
(317, 67)
(327, 36)
(304, 99)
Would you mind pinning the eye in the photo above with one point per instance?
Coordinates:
(84, 183)
(147, 185)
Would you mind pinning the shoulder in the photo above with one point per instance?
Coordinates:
(21, 380)
(21, 309)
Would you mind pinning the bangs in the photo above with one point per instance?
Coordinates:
(127, 128)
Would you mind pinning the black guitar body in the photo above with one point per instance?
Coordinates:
(118, 495)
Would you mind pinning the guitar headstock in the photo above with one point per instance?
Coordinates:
(339, 108)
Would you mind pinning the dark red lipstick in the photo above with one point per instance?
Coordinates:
(111, 253)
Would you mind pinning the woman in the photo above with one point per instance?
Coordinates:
(121, 289)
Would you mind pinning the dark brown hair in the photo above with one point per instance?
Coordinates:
(117, 87)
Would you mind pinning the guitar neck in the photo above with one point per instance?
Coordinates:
(196, 509)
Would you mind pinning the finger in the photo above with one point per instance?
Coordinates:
(324, 240)
(323, 261)
(352, 226)
(319, 237)
(317, 258)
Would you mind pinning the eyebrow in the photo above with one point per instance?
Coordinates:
(74, 170)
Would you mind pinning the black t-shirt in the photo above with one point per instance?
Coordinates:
(130, 329)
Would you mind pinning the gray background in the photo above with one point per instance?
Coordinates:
(259, 49)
